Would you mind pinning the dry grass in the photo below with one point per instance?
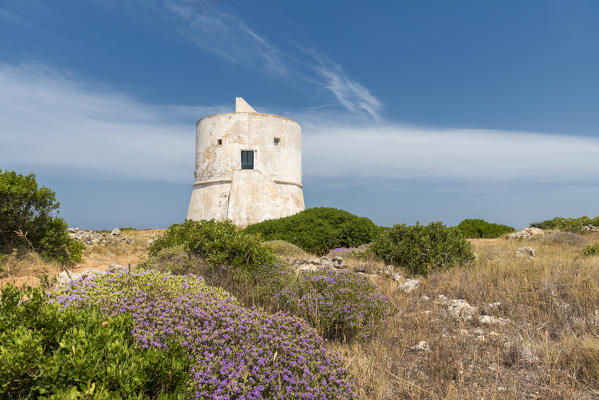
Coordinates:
(25, 269)
(101, 256)
(548, 350)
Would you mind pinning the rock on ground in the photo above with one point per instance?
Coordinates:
(526, 233)
(460, 309)
(525, 252)
(409, 285)
(92, 238)
(489, 320)
(421, 346)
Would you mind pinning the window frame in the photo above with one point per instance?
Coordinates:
(248, 163)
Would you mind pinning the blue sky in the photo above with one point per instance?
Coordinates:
(411, 111)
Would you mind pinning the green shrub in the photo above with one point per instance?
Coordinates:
(318, 230)
(340, 305)
(27, 220)
(174, 260)
(223, 255)
(591, 250)
(420, 249)
(567, 224)
(217, 243)
(478, 228)
(46, 352)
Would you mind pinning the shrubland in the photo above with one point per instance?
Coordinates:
(318, 230)
(28, 220)
(567, 224)
(339, 305)
(479, 228)
(530, 330)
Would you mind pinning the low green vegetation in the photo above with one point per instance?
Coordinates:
(420, 249)
(49, 353)
(591, 250)
(219, 244)
(224, 256)
(318, 230)
(567, 224)
(479, 228)
(28, 220)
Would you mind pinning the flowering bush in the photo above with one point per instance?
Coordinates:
(341, 305)
(236, 352)
(348, 251)
(46, 352)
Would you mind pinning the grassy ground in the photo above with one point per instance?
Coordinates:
(25, 270)
(549, 349)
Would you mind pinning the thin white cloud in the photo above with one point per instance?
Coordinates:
(50, 119)
(352, 95)
(231, 38)
(396, 151)
(223, 34)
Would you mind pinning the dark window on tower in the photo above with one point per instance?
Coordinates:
(277, 142)
(247, 160)
(220, 141)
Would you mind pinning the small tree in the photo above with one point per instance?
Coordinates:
(28, 220)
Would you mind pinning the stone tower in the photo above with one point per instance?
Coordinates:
(248, 167)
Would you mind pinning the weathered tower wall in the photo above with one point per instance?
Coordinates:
(272, 189)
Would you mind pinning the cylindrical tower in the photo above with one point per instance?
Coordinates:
(248, 167)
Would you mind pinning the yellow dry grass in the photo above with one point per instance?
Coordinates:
(25, 269)
(548, 350)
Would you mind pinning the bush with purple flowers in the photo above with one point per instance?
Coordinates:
(236, 352)
(341, 305)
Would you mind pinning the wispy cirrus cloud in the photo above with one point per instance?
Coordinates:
(223, 34)
(49, 118)
(229, 37)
